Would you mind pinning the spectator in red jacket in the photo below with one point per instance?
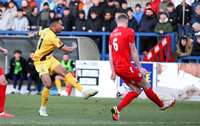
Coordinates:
(32, 3)
(154, 6)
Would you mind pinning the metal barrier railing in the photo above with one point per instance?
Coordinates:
(103, 54)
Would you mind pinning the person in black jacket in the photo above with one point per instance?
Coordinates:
(33, 19)
(111, 8)
(114, 23)
(184, 13)
(132, 22)
(68, 20)
(147, 24)
(106, 26)
(18, 69)
(96, 8)
(32, 74)
(80, 22)
(196, 47)
(172, 15)
(94, 24)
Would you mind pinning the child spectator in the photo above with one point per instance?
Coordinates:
(193, 11)
(68, 20)
(44, 16)
(32, 74)
(172, 15)
(7, 20)
(86, 7)
(107, 22)
(59, 9)
(18, 70)
(138, 13)
(26, 8)
(80, 22)
(20, 23)
(184, 47)
(33, 19)
(32, 3)
(184, 16)
(164, 26)
(196, 46)
(132, 23)
(53, 4)
(75, 6)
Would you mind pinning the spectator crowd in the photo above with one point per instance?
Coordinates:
(160, 16)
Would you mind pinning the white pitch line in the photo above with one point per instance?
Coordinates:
(108, 123)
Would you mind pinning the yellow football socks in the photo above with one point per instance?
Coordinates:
(73, 81)
(58, 84)
(45, 96)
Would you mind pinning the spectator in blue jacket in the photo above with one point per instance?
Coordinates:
(59, 9)
(138, 13)
(194, 4)
(195, 24)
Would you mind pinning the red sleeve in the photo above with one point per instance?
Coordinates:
(132, 36)
(110, 43)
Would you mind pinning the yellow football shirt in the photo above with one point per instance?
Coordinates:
(46, 44)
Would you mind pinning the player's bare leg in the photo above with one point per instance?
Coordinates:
(3, 85)
(45, 93)
(153, 96)
(126, 100)
(74, 82)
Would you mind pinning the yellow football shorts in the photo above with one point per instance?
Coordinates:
(46, 66)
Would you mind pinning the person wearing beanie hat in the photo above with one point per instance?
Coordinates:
(80, 22)
(138, 13)
(196, 46)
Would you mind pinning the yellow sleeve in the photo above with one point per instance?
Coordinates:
(40, 33)
(57, 42)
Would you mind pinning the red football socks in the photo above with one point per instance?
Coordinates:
(127, 99)
(2, 97)
(153, 97)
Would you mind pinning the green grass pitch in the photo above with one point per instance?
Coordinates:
(69, 111)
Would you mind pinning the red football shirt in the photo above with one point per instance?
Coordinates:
(120, 39)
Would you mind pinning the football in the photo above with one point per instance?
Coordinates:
(122, 91)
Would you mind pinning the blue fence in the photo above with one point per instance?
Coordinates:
(103, 55)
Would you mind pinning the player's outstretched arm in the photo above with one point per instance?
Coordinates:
(33, 35)
(113, 75)
(69, 49)
(135, 57)
(5, 51)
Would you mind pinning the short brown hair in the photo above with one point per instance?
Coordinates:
(122, 17)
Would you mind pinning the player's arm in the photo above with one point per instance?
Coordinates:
(5, 51)
(33, 35)
(113, 75)
(69, 49)
(135, 57)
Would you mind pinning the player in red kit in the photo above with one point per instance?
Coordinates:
(3, 84)
(121, 49)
